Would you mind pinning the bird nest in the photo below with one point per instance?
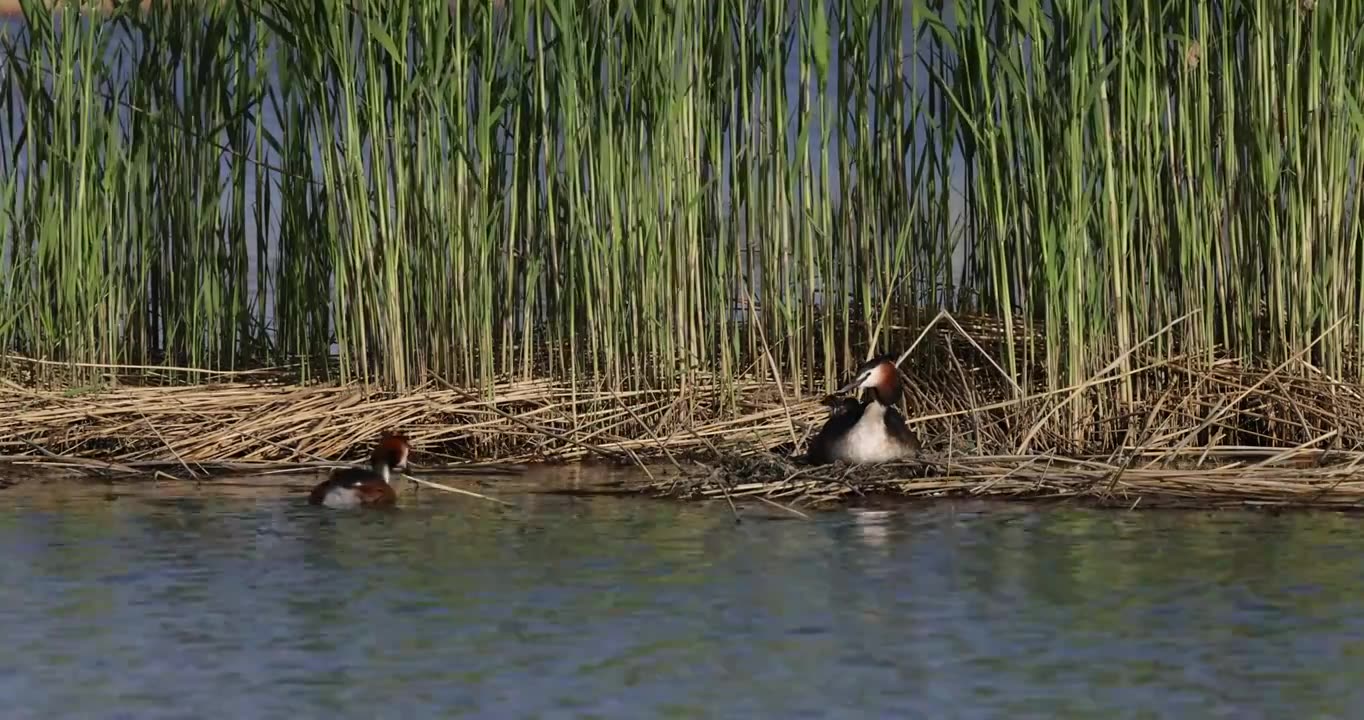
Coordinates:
(1214, 478)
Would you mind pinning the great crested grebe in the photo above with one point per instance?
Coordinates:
(870, 429)
(371, 486)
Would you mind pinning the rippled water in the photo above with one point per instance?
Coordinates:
(209, 604)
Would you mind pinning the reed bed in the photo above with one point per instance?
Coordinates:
(1221, 435)
(1315, 479)
(251, 420)
(551, 229)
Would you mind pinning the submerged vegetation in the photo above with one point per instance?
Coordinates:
(1144, 219)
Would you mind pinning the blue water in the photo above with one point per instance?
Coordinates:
(212, 604)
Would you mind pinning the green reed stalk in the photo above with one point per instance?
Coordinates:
(613, 194)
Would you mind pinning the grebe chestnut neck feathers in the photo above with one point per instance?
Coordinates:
(371, 486)
(868, 430)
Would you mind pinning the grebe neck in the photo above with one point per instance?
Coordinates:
(380, 467)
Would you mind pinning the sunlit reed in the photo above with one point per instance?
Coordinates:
(623, 195)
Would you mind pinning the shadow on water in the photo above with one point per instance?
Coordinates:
(237, 604)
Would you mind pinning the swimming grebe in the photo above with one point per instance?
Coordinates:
(372, 486)
(870, 430)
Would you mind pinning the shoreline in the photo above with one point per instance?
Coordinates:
(1261, 481)
(1271, 489)
(701, 440)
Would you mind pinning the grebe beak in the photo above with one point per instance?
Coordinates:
(850, 386)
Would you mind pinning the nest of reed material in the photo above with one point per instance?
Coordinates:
(1232, 478)
(1146, 430)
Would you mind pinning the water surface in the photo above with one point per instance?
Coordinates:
(251, 604)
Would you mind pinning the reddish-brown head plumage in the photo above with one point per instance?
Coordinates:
(880, 375)
(392, 451)
(886, 379)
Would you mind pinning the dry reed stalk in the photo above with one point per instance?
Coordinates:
(269, 422)
(1215, 429)
(457, 491)
(1337, 485)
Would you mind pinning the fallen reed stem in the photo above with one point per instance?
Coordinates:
(457, 491)
(1220, 430)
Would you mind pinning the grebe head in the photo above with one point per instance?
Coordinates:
(880, 376)
(390, 454)
(839, 405)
